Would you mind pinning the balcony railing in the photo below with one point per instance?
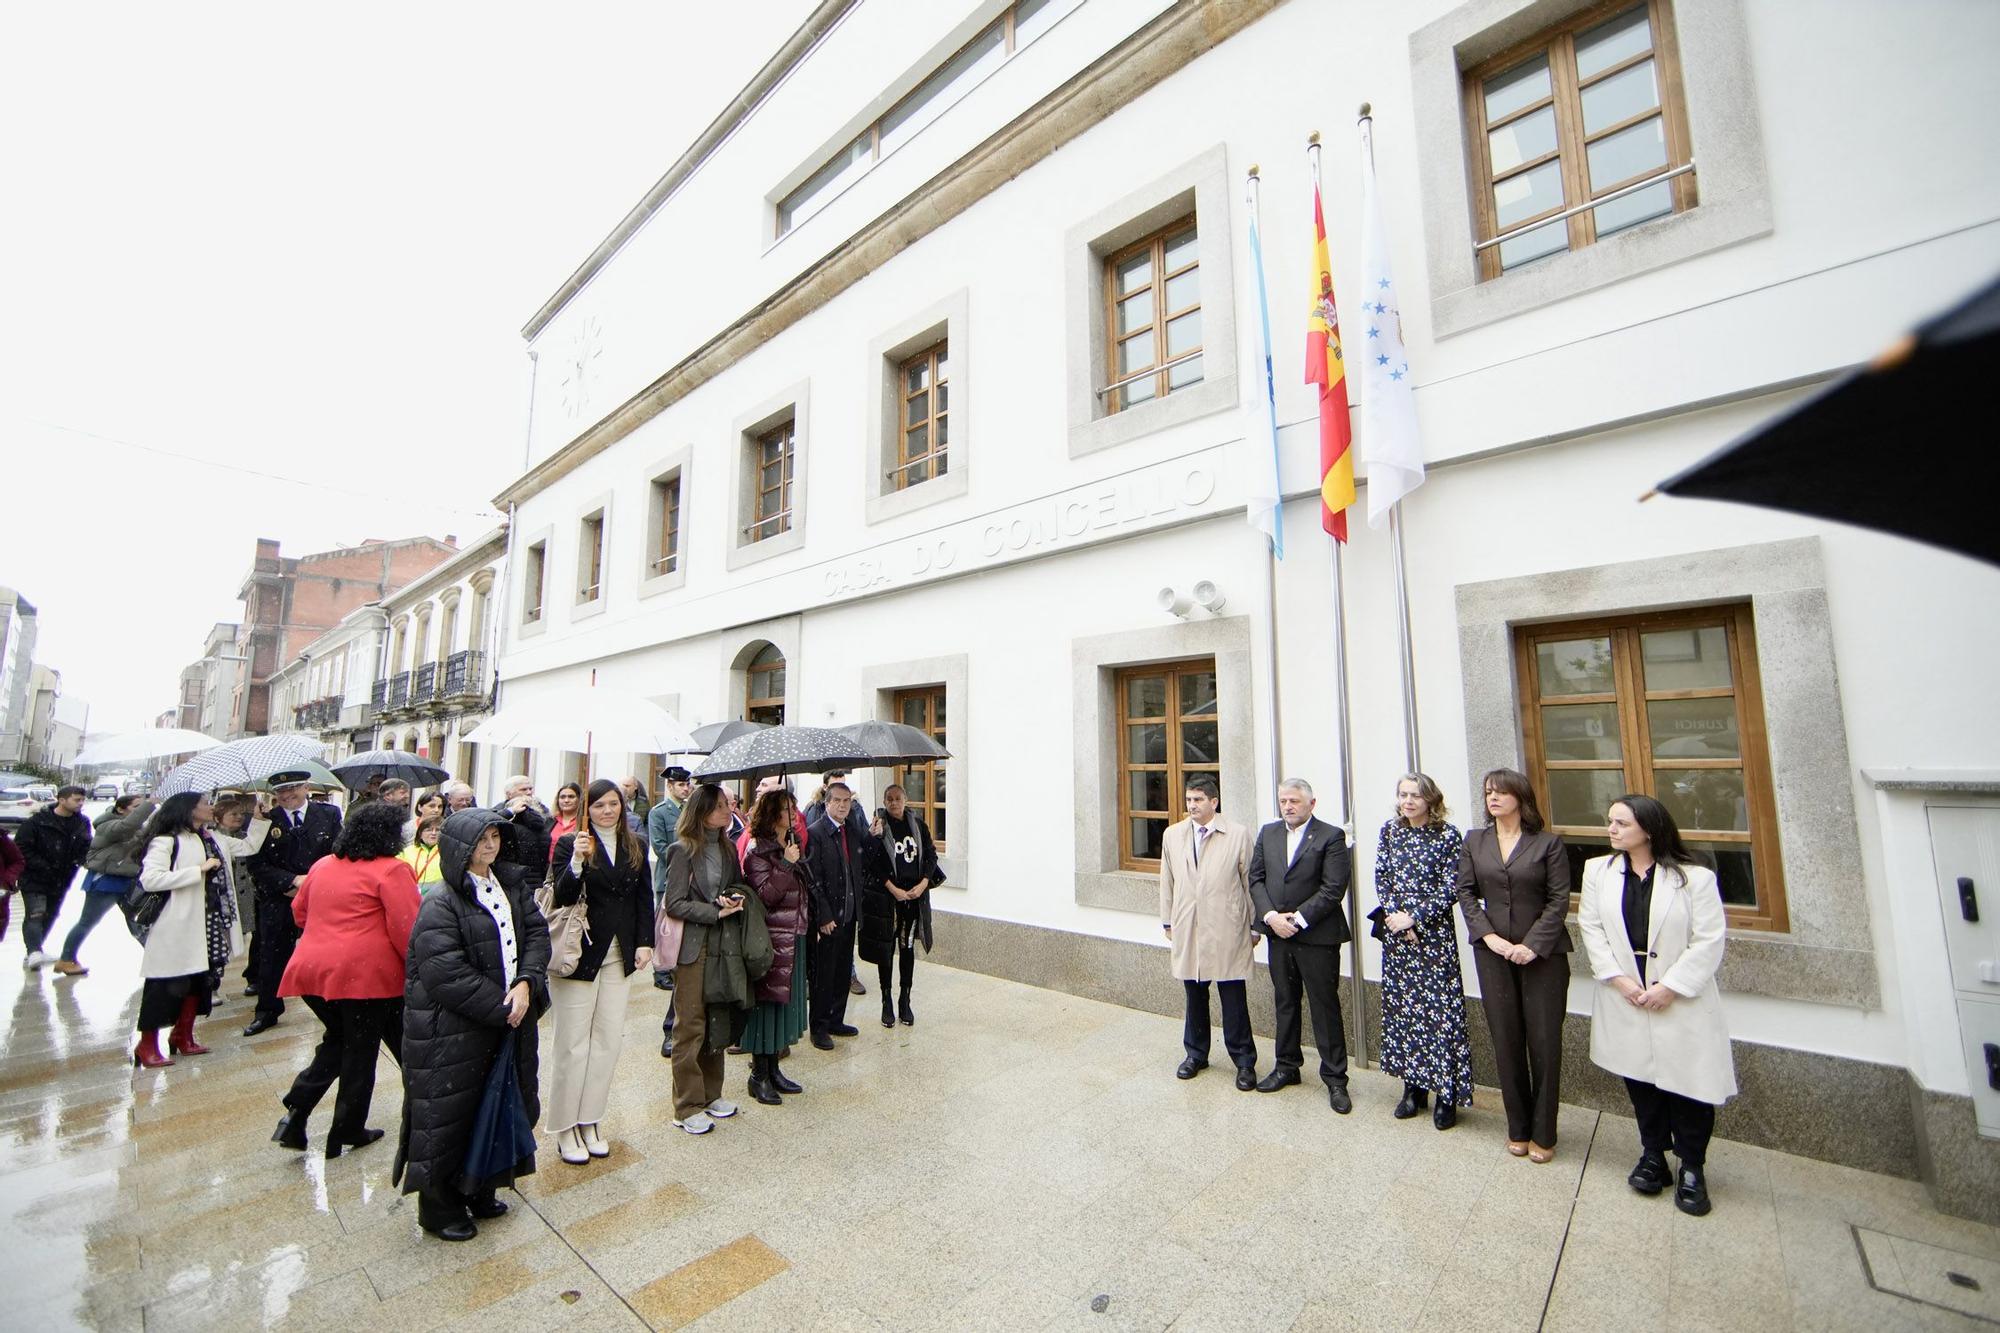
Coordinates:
(423, 683)
(378, 698)
(464, 674)
(318, 714)
(399, 690)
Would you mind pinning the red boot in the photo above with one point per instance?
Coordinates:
(181, 1041)
(147, 1054)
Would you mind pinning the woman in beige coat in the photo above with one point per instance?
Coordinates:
(1653, 924)
(1205, 910)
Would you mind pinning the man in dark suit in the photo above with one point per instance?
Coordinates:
(835, 854)
(301, 833)
(1298, 884)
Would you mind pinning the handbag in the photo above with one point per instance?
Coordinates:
(569, 927)
(141, 905)
(668, 932)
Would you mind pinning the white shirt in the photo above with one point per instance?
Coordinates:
(1201, 832)
(1293, 836)
(489, 895)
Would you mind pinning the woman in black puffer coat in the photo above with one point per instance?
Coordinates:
(478, 965)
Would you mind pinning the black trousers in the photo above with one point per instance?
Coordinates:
(1236, 1038)
(832, 964)
(277, 935)
(1524, 1013)
(907, 958)
(1315, 970)
(355, 1031)
(1669, 1122)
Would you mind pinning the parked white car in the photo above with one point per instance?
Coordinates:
(16, 804)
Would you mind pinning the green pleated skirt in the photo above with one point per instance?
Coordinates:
(772, 1027)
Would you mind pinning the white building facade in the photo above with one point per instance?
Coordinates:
(432, 678)
(18, 628)
(945, 421)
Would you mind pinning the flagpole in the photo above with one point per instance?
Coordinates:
(1411, 750)
(1342, 721)
(1253, 197)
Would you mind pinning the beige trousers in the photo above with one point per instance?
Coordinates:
(589, 1032)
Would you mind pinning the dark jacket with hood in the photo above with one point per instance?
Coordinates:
(455, 1008)
(115, 849)
(905, 853)
(618, 901)
(781, 887)
(53, 846)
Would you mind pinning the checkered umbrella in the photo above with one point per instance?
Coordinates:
(240, 763)
(781, 750)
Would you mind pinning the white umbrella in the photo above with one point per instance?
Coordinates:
(132, 747)
(241, 762)
(584, 718)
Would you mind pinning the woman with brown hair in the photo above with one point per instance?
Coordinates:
(604, 865)
(1513, 886)
(704, 885)
(777, 875)
(567, 817)
(1423, 996)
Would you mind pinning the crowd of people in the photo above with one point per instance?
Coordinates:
(446, 931)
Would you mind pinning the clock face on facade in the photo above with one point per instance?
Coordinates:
(579, 365)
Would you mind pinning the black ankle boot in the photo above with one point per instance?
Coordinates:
(1443, 1114)
(774, 1074)
(903, 1009)
(1415, 1099)
(760, 1083)
(888, 1012)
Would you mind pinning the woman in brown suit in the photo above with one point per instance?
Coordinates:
(1513, 886)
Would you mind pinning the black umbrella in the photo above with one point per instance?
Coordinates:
(893, 743)
(1893, 446)
(712, 735)
(357, 770)
(782, 750)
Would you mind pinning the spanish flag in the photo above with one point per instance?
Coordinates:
(1325, 368)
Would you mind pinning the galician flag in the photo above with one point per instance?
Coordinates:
(1265, 507)
(1388, 398)
(1325, 367)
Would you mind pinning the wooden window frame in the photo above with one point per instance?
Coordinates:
(1559, 46)
(754, 702)
(1638, 763)
(784, 436)
(1175, 770)
(590, 557)
(1156, 244)
(934, 360)
(933, 697)
(667, 556)
(534, 589)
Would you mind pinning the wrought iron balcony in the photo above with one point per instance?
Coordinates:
(378, 698)
(464, 674)
(399, 690)
(423, 683)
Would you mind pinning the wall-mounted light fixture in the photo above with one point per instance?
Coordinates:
(1174, 603)
(1209, 597)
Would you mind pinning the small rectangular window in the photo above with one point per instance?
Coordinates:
(1590, 110)
(1152, 297)
(773, 461)
(590, 558)
(666, 558)
(929, 99)
(1168, 732)
(924, 425)
(818, 189)
(534, 568)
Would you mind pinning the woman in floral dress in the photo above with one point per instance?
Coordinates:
(1423, 997)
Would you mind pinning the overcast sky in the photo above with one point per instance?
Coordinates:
(241, 239)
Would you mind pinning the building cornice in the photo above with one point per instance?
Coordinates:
(1173, 40)
(775, 71)
(489, 547)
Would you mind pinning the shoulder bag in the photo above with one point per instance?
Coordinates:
(143, 906)
(569, 927)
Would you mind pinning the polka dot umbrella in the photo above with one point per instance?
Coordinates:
(782, 750)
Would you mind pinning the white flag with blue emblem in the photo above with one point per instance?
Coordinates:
(1393, 454)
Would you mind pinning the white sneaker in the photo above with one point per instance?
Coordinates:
(35, 959)
(593, 1141)
(570, 1144)
(698, 1123)
(721, 1110)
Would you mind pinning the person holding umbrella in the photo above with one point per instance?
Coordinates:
(476, 980)
(838, 857)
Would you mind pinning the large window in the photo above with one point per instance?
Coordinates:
(1167, 733)
(1152, 297)
(1020, 24)
(1591, 110)
(772, 512)
(924, 432)
(1665, 705)
(764, 687)
(924, 784)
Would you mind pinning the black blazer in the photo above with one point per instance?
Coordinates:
(1315, 883)
(618, 900)
(836, 880)
(1524, 900)
(288, 852)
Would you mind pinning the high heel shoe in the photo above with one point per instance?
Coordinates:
(775, 1076)
(181, 1040)
(334, 1145)
(146, 1055)
(291, 1132)
(593, 1140)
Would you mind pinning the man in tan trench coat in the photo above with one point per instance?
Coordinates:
(1205, 910)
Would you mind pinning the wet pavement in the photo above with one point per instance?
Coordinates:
(1017, 1160)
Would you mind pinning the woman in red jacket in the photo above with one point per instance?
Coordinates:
(775, 872)
(356, 909)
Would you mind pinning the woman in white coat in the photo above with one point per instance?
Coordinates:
(1653, 924)
(190, 942)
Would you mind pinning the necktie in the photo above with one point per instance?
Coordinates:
(1200, 839)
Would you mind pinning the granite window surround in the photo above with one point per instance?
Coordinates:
(1827, 956)
(1094, 665)
(676, 466)
(1733, 201)
(945, 322)
(1199, 187)
(543, 537)
(791, 404)
(581, 608)
(879, 683)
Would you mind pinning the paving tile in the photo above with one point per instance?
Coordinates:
(707, 1283)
